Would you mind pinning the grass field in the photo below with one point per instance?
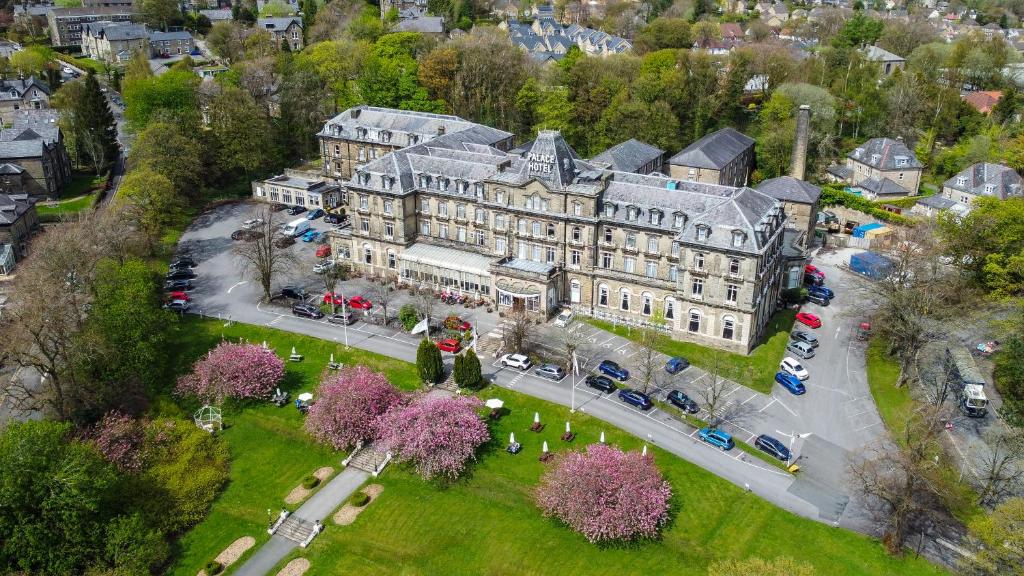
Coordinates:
(756, 370)
(74, 198)
(487, 523)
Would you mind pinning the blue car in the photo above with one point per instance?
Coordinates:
(314, 214)
(635, 398)
(614, 370)
(310, 236)
(676, 365)
(790, 382)
(717, 438)
(823, 291)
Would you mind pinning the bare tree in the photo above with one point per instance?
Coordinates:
(518, 330)
(648, 360)
(425, 303)
(1001, 467)
(568, 344)
(935, 373)
(383, 292)
(262, 258)
(331, 275)
(713, 395)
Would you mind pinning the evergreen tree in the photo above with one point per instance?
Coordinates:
(471, 370)
(459, 370)
(428, 362)
(308, 14)
(95, 130)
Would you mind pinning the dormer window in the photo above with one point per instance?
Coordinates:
(961, 181)
(14, 93)
(632, 213)
(737, 238)
(679, 220)
(385, 136)
(442, 183)
(414, 138)
(901, 160)
(655, 217)
(609, 210)
(479, 187)
(989, 188)
(703, 231)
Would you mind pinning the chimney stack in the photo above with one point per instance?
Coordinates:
(803, 131)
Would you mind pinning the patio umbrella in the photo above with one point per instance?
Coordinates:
(512, 438)
(306, 396)
(644, 451)
(602, 437)
(567, 427)
(536, 417)
(294, 353)
(545, 447)
(264, 344)
(494, 403)
(332, 357)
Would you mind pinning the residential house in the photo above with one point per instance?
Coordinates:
(18, 219)
(931, 206)
(431, 26)
(983, 179)
(288, 29)
(215, 15)
(880, 167)
(292, 5)
(171, 43)
(799, 199)
(298, 189)
(887, 61)
(364, 133)
(66, 24)
(35, 143)
(114, 42)
(545, 230)
(547, 39)
(983, 100)
(108, 3)
(631, 156)
(724, 157)
(22, 94)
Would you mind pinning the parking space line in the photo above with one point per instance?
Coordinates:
(752, 396)
(765, 407)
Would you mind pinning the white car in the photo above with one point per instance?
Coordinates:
(250, 224)
(516, 361)
(564, 318)
(67, 71)
(323, 266)
(794, 367)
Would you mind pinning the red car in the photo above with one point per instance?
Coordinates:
(808, 319)
(323, 251)
(179, 296)
(812, 269)
(359, 303)
(449, 345)
(332, 298)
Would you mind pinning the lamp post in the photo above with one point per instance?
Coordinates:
(344, 315)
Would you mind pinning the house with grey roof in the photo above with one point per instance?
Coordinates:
(538, 229)
(283, 30)
(887, 61)
(35, 144)
(429, 25)
(880, 167)
(18, 219)
(114, 42)
(983, 179)
(297, 188)
(22, 94)
(215, 15)
(724, 157)
(546, 39)
(174, 43)
(66, 24)
(932, 206)
(631, 156)
(799, 199)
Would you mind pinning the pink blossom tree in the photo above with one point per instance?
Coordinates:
(349, 406)
(120, 438)
(606, 494)
(236, 371)
(438, 434)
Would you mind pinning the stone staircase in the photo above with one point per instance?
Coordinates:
(368, 459)
(296, 529)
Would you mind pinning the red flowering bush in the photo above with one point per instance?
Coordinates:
(348, 407)
(438, 434)
(606, 494)
(120, 438)
(236, 371)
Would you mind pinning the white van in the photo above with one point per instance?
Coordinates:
(296, 227)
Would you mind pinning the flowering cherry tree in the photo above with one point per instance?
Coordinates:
(119, 438)
(349, 406)
(438, 434)
(606, 494)
(237, 371)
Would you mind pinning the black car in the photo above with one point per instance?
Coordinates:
(178, 285)
(773, 447)
(680, 400)
(183, 262)
(181, 274)
(332, 218)
(293, 292)
(813, 280)
(296, 210)
(818, 299)
(602, 383)
(277, 207)
(307, 311)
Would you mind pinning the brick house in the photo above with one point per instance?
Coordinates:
(724, 157)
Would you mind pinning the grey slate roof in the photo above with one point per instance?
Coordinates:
(11, 169)
(91, 11)
(13, 207)
(278, 23)
(883, 187)
(217, 15)
(406, 127)
(550, 160)
(937, 201)
(115, 30)
(885, 154)
(42, 122)
(158, 36)
(840, 171)
(317, 186)
(21, 86)
(629, 156)
(789, 189)
(987, 179)
(713, 151)
(425, 24)
(881, 55)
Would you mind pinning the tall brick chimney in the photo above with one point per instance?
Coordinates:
(803, 131)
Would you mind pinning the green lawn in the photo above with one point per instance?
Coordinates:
(486, 523)
(75, 197)
(756, 370)
(894, 403)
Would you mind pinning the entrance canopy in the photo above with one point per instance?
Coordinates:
(446, 258)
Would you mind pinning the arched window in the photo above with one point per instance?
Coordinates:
(602, 295)
(392, 260)
(551, 230)
(728, 327)
(577, 234)
(624, 300)
(575, 290)
(694, 325)
(670, 308)
(367, 254)
(648, 304)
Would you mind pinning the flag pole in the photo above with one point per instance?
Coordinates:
(575, 373)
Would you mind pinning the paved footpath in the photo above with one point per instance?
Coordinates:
(317, 508)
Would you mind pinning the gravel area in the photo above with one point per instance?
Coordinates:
(232, 553)
(347, 514)
(296, 567)
(300, 492)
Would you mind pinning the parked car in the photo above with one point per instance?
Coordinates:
(333, 298)
(323, 266)
(813, 280)
(801, 349)
(296, 210)
(614, 370)
(183, 262)
(180, 274)
(177, 306)
(635, 398)
(564, 318)
(359, 303)
(293, 292)
(307, 311)
(520, 361)
(253, 223)
(676, 365)
(550, 371)
(277, 207)
(772, 447)
(323, 251)
(449, 345)
(332, 218)
(790, 382)
(814, 270)
(805, 337)
(808, 319)
(794, 367)
(817, 298)
(310, 236)
(602, 383)
(284, 241)
(178, 285)
(342, 318)
(680, 400)
(179, 295)
(822, 291)
(717, 438)
(315, 213)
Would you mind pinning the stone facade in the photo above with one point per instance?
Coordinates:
(114, 41)
(66, 23)
(983, 179)
(170, 43)
(545, 229)
(297, 188)
(284, 30)
(36, 144)
(17, 221)
(879, 168)
(22, 94)
(724, 157)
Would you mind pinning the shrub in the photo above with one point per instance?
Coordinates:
(237, 371)
(349, 406)
(439, 435)
(429, 362)
(213, 567)
(119, 439)
(310, 482)
(408, 317)
(359, 499)
(468, 373)
(794, 295)
(606, 494)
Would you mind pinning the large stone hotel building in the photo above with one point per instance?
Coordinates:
(449, 204)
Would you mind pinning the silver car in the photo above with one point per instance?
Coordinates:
(550, 371)
(801, 349)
